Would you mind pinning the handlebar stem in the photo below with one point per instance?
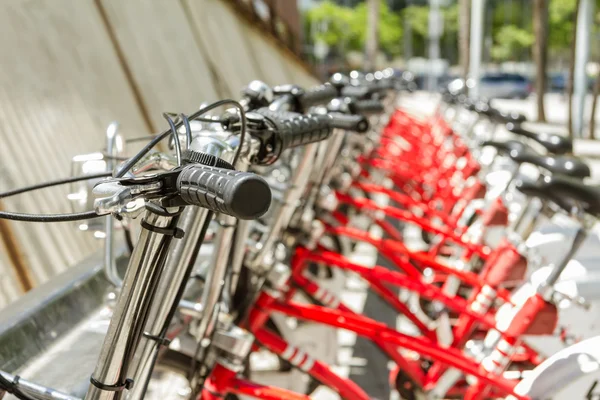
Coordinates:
(127, 323)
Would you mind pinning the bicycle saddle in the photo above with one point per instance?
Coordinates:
(553, 143)
(484, 107)
(561, 165)
(540, 190)
(565, 192)
(505, 147)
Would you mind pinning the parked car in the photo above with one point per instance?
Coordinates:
(558, 82)
(504, 85)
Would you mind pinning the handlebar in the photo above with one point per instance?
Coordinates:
(355, 91)
(242, 195)
(356, 123)
(367, 107)
(317, 95)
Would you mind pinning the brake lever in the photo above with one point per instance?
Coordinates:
(118, 194)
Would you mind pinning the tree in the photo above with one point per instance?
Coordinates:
(419, 18)
(371, 48)
(390, 29)
(328, 23)
(510, 40)
(571, 81)
(464, 34)
(595, 95)
(540, 53)
(345, 27)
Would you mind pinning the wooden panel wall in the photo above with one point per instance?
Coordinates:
(69, 68)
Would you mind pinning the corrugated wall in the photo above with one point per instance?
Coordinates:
(71, 67)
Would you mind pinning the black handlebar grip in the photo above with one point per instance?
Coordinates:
(355, 91)
(317, 95)
(367, 107)
(356, 123)
(304, 129)
(294, 129)
(508, 117)
(243, 195)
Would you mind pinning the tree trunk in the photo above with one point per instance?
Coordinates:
(594, 102)
(464, 31)
(540, 53)
(571, 81)
(372, 43)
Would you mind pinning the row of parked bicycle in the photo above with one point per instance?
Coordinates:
(283, 185)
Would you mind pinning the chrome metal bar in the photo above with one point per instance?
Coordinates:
(316, 178)
(174, 276)
(291, 198)
(333, 152)
(176, 270)
(110, 266)
(128, 318)
(36, 391)
(216, 276)
(239, 252)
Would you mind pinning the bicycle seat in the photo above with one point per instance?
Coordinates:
(553, 143)
(484, 107)
(505, 147)
(561, 165)
(540, 190)
(565, 192)
(506, 117)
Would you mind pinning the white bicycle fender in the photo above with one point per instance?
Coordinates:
(572, 373)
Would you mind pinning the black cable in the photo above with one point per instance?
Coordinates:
(128, 238)
(176, 141)
(140, 139)
(188, 130)
(12, 388)
(148, 137)
(116, 158)
(133, 160)
(124, 168)
(53, 183)
(242, 129)
(48, 217)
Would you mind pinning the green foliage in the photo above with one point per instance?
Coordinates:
(561, 22)
(509, 40)
(390, 29)
(418, 16)
(510, 24)
(328, 22)
(345, 27)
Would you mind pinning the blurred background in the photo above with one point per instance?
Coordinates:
(510, 49)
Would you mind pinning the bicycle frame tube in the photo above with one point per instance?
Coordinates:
(224, 380)
(284, 213)
(403, 215)
(131, 309)
(377, 275)
(346, 388)
(215, 280)
(380, 333)
(175, 275)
